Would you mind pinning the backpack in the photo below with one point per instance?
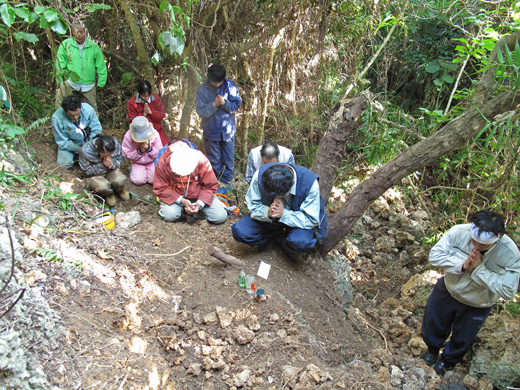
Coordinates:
(230, 206)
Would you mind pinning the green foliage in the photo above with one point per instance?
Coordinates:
(180, 20)
(483, 175)
(512, 306)
(509, 66)
(48, 254)
(8, 130)
(63, 200)
(7, 178)
(26, 99)
(380, 142)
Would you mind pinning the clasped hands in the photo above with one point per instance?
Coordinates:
(143, 147)
(147, 110)
(219, 101)
(189, 207)
(276, 209)
(107, 162)
(473, 261)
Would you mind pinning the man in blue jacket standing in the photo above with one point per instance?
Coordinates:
(217, 101)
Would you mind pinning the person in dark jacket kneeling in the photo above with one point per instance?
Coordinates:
(284, 203)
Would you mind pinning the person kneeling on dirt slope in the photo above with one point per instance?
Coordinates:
(186, 184)
(73, 125)
(100, 160)
(481, 264)
(141, 145)
(285, 203)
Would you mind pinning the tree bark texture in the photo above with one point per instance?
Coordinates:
(189, 102)
(267, 89)
(246, 93)
(452, 136)
(142, 53)
(342, 129)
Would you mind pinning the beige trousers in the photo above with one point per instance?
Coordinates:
(106, 185)
(65, 90)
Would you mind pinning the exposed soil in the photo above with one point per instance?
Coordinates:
(148, 308)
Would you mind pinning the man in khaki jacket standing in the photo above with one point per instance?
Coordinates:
(481, 265)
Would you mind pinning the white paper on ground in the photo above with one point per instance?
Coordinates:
(263, 270)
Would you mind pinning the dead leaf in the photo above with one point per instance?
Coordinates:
(103, 254)
(158, 241)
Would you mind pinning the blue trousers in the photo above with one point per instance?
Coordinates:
(221, 155)
(445, 315)
(251, 232)
(66, 159)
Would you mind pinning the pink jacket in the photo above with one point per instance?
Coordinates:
(129, 147)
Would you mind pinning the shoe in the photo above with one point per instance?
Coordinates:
(124, 194)
(296, 257)
(441, 366)
(268, 245)
(111, 200)
(429, 358)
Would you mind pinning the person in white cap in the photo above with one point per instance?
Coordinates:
(481, 265)
(141, 145)
(186, 184)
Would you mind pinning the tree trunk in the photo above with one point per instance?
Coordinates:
(452, 136)
(142, 53)
(246, 92)
(189, 104)
(292, 70)
(267, 83)
(342, 129)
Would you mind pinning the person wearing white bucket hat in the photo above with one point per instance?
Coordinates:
(186, 184)
(481, 265)
(141, 145)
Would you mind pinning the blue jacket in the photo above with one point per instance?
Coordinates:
(218, 123)
(305, 179)
(70, 136)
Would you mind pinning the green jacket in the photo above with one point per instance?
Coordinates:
(70, 65)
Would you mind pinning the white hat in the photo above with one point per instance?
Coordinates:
(183, 159)
(485, 238)
(141, 129)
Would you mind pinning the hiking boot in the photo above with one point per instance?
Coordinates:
(266, 246)
(111, 200)
(124, 194)
(441, 366)
(296, 257)
(429, 357)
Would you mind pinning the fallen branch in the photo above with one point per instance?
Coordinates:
(166, 254)
(228, 259)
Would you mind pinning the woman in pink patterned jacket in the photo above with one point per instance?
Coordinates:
(141, 145)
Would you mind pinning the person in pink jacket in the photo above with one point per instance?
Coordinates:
(141, 145)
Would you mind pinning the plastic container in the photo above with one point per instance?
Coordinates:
(106, 218)
(242, 278)
(260, 296)
(250, 284)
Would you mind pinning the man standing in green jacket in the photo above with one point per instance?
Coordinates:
(78, 61)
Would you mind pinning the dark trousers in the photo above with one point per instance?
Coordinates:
(251, 232)
(221, 155)
(445, 315)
